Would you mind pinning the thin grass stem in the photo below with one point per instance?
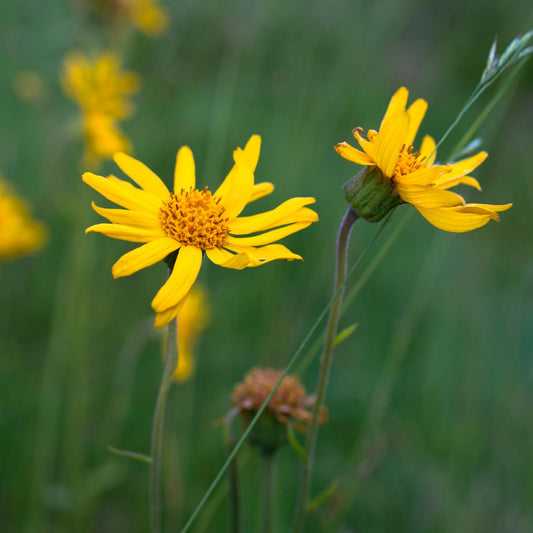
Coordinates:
(268, 492)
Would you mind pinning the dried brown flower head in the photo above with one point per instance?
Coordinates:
(289, 404)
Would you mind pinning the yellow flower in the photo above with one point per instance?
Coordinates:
(19, 233)
(103, 138)
(192, 319)
(148, 16)
(414, 176)
(193, 221)
(99, 85)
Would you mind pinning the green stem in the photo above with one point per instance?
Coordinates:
(268, 491)
(305, 481)
(157, 427)
(234, 504)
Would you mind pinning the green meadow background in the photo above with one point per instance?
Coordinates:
(431, 398)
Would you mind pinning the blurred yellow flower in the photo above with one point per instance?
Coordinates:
(148, 16)
(19, 233)
(99, 85)
(192, 319)
(190, 222)
(103, 138)
(414, 176)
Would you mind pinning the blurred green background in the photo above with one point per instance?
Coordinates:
(430, 400)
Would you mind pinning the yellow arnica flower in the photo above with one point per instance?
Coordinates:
(192, 319)
(148, 16)
(103, 138)
(19, 233)
(99, 85)
(193, 221)
(413, 175)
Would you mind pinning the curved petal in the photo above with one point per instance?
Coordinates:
(252, 150)
(270, 219)
(268, 237)
(464, 167)
(181, 279)
(390, 141)
(235, 191)
(265, 254)
(127, 233)
(416, 113)
(123, 193)
(352, 154)
(369, 146)
(456, 220)
(136, 219)
(184, 171)
(465, 180)
(226, 259)
(429, 197)
(428, 149)
(423, 176)
(489, 207)
(144, 256)
(142, 175)
(261, 189)
(165, 317)
(396, 105)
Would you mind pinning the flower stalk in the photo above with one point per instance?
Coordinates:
(158, 425)
(343, 237)
(268, 491)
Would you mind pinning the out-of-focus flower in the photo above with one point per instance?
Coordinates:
(183, 225)
(20, 234)
(396, 173)
(147, 15)
(192, 319)
(103, 138)
(29, 86)
(99, 85)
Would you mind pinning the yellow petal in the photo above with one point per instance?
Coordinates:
(226, 259)
(268, 237)
(184, 171)
(416, 113)
(369, 146)
(142, 175)
(265, 254)
(165, 317)
(270, 219)
(490, 207)
(181, 279)
(396, 105)
(464, 167)
(352, 154)
(454, 220)
(185, 367)
(429, 197)
(428, 149)
(391, 138)
(252, 150)
(137, 219)
(236, 189)
(261, 189)
(465, 180)
(123, 193)
(424, 175)
(127, 233)
(144, 256)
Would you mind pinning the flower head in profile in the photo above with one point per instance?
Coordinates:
(289, 404)
(184, 225)
(397, 173)
(20, 234)
(192, 319)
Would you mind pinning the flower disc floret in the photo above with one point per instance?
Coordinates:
(195, 218)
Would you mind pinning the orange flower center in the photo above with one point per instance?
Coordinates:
(408, 161)
(195, 218)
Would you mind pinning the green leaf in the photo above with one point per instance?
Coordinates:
(344, 334)
(323, 496)
(132, 455)
(295, 445)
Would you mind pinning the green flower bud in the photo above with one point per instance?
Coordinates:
(371, 195)
(268, 435)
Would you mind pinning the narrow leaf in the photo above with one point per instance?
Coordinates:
(323, 496)
(132, 455)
